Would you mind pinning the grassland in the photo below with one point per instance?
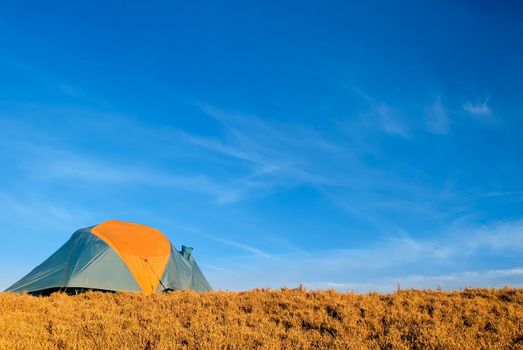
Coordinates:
(265, 319)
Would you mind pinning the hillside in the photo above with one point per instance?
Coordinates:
(265, 319)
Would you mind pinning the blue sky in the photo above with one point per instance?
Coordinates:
(337, 145)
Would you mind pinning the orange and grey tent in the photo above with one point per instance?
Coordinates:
(116, 256)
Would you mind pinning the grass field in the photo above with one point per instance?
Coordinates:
(265, 319)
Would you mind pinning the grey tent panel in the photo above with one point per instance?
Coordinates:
(53, 272)
(103, 270)
(177, 275)
(181, 273)
(84, 261)
(199, 282)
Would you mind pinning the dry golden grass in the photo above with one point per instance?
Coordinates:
(265, 319)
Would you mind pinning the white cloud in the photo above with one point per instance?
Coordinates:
(376, 267)
(436, 119)
(482, 278)
(48, 164)
(391, 121)
(22, 211)
(478, 109)
(382, 116)
(252, 157)
(219, 238)
(501, 194)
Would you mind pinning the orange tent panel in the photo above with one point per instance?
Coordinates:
(143, 249)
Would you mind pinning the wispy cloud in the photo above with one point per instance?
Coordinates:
(481, 109)
(391, 121)
(382, 116)
(35, 213)
(436, 118)
(251, 250)
(376, 267)
(251, 157)
(452, 281)
(247, 158)
(274, 155)
(242, 246)
(501, 194)
(62, 165)
(296, 154)
(37, 77)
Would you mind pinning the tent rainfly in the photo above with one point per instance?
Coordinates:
(115, 256)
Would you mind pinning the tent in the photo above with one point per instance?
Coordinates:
(115, 256)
